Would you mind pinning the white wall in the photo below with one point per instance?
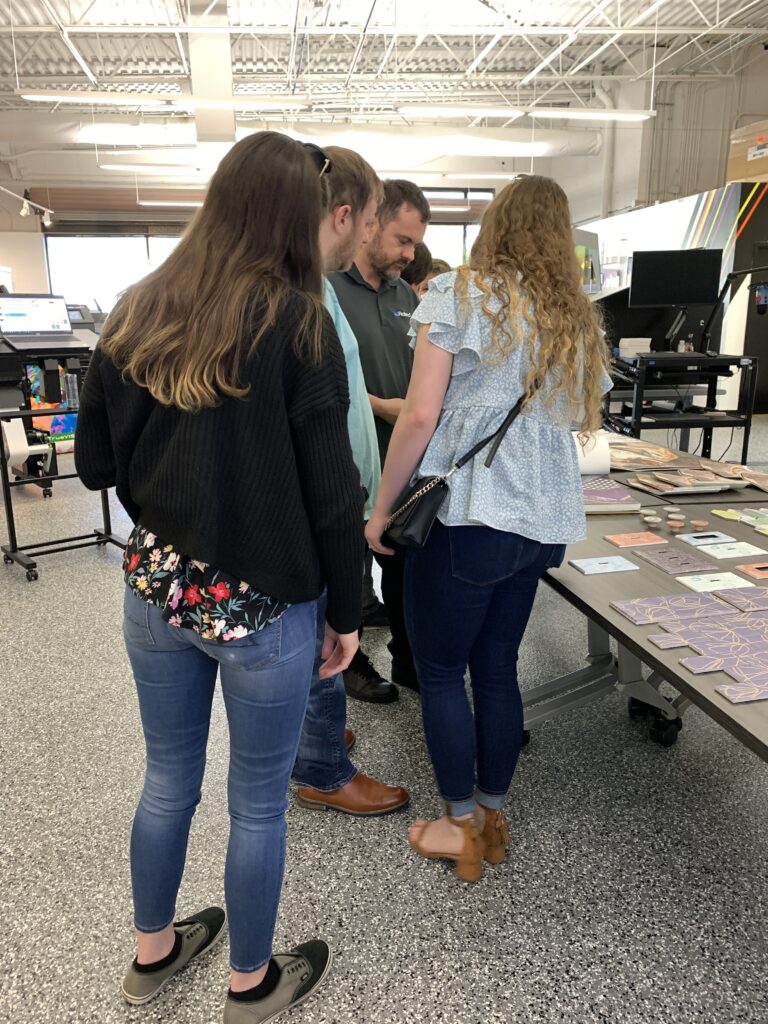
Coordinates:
(24, 253)
(683, 151)
(22, 245)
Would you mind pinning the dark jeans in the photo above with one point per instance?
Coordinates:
(322, 761)
(392, 583)
(468, 596)
(265, 680)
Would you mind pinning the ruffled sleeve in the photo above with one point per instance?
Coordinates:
(449, 328)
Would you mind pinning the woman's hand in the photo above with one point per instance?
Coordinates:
(338, 651)
(373, 531)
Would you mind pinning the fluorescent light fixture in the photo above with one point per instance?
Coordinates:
(483, 175)
(246, 102)
(449, 209)
(179, 169)
(591, 114)
(183, 203)
(171, 101)
(468, 110)
(165, 135)
(100, 99)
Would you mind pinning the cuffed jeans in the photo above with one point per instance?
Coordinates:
(265, 679)
(322, 761)
(468, 596)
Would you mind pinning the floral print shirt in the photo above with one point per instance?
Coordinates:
(193, 594)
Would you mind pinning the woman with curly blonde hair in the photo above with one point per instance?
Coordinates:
(514, 323)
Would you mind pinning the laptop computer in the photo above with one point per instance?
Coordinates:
(37, 324)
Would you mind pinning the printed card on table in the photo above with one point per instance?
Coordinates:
(598, 566)
(675, 561)
(705, 635)
(739, 549)
(633, 540)
(706, 537)
(709, 581)
(757, 570)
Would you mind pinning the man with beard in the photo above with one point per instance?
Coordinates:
(378, 305)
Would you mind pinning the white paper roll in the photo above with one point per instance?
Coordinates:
(595, 456)
(15, 447)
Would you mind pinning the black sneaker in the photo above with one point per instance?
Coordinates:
(301, 971)
(376, 617)
(198, 934)
(363, 682)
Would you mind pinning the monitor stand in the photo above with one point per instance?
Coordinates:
(671, 335)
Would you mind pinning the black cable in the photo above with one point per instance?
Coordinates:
(721, 457)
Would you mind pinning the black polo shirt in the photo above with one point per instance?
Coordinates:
(380, 321)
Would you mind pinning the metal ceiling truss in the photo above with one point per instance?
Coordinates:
(338, 51)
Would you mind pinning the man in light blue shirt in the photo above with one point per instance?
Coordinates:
(325, 775)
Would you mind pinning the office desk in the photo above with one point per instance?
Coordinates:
(629, 671)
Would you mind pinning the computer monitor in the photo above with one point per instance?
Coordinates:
(685, 277)
(34, 314)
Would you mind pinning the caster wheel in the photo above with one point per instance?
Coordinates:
(7, 560)
(664, 732)
(32, 575)
(47, 492)
(637, 708)
(526, 737)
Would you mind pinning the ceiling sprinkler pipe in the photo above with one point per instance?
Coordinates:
(609, 160)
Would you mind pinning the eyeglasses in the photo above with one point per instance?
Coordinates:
(320, 157)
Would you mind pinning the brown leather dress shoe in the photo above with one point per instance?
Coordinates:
(362, 796)
(349, 739)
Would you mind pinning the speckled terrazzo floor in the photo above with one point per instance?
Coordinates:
(636, 890)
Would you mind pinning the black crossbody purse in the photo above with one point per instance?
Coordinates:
(417, 507)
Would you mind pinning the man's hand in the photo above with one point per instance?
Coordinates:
(338, 651)
(387, 408)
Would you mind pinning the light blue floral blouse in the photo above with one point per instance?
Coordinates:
(533, 486)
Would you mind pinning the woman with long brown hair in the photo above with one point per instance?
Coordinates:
(512, 324)
(216, 403)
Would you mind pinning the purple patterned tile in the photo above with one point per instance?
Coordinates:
(746, 599)
(741, 693)
(666, 641)
(747, 665)
(644, 610)
(732, 647)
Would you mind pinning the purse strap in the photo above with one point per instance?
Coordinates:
(497, 437)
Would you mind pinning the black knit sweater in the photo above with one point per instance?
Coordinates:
(263, 488)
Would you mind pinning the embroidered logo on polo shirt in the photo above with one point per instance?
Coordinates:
(400, 312)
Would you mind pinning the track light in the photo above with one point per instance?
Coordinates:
(47, 219)
(28, 205)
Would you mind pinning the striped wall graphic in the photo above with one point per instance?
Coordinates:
(720, 217)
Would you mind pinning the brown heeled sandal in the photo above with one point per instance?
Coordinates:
(469, 863)
(495, 836)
